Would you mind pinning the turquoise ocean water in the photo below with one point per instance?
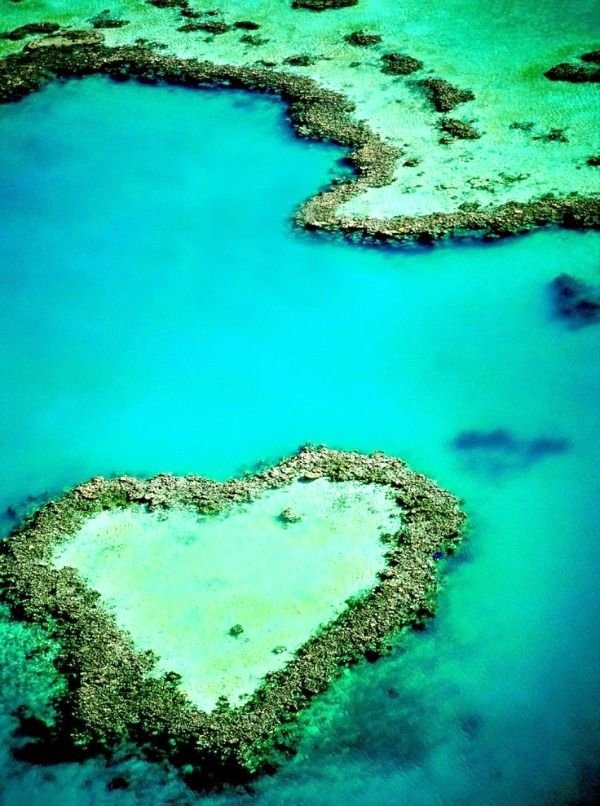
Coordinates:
(159, 313)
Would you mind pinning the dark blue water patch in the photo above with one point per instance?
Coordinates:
(19, 510)
(574, 301)
(499, 452)
(471, 725)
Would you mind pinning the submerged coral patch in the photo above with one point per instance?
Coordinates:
(323, 5)
(399, 64)
(31, 29)
(117, 689)
(575, 301)
(105, 20)
(207, 26)
(458, 129)
(577, 73)
(445, 96)
(497, 452)
(362, 39)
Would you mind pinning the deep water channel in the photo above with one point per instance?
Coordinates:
(158, 313)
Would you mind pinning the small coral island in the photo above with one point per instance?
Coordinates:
(115, 695)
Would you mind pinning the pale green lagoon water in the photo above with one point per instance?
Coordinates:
(179, 584)
(157, 317)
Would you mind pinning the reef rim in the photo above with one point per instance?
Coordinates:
(111, 699)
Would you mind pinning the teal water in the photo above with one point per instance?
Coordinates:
(159, 313)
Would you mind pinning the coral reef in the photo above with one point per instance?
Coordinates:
(398, 64)
(31, 29)
(323, 5)
(208, 26)
(458, 129)
(246, 25)
(443, 95)
(105, 20)
(577, 73)
(314, 112)
(112, 694)
(362, 39)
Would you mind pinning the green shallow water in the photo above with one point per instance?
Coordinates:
(157, 316)
(179, 584)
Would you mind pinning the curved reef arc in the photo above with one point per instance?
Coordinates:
(114, 694)
(314, 112)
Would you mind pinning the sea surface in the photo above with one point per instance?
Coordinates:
(159, 313)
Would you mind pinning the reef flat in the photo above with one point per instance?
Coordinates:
(113, 692)
(378, 80)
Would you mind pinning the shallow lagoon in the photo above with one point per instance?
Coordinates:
(156, 317)
(278, 568)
